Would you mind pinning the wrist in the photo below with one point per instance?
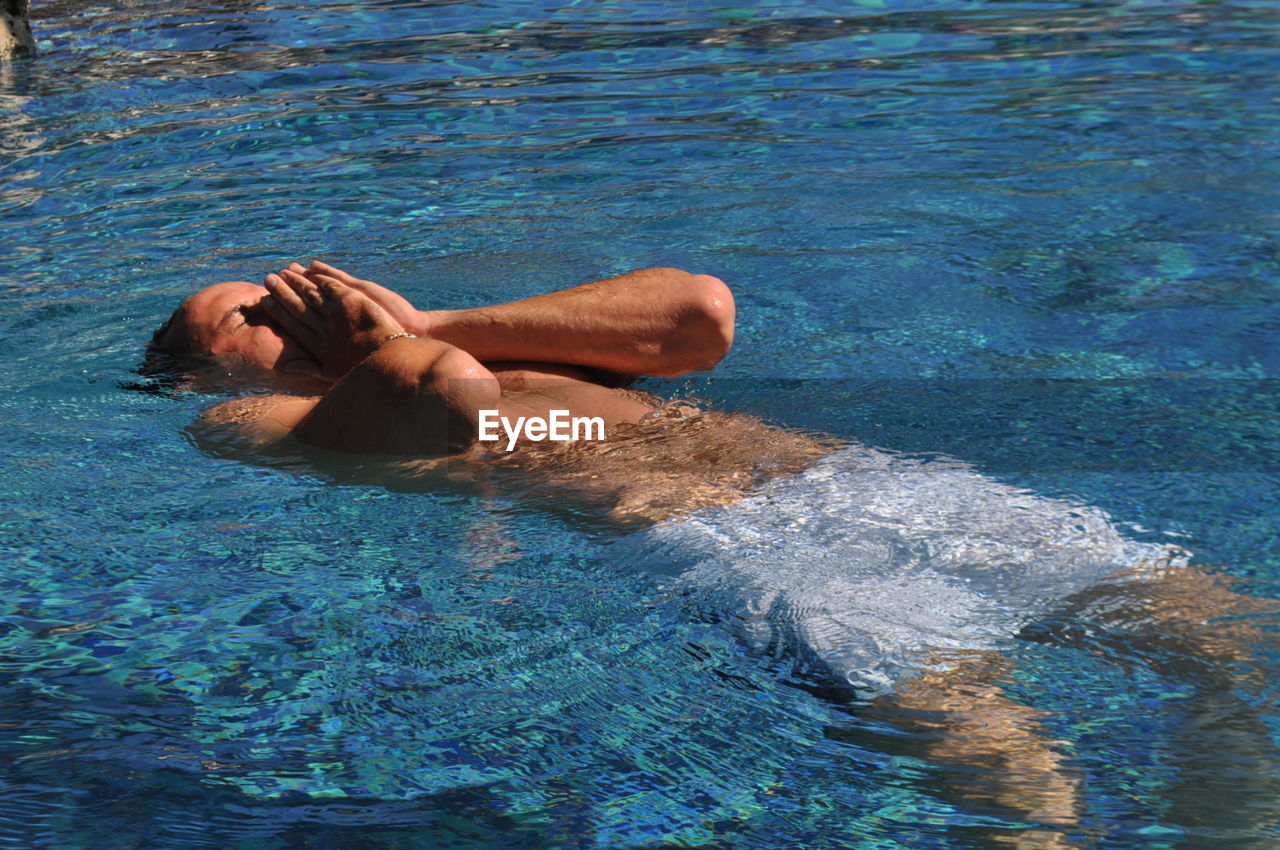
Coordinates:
(425, 322)
(376, 339)
(472, 330)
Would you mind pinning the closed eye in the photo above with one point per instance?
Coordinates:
(226, 317)
(255, 315)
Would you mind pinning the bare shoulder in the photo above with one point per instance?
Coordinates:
(256, 421)
(243, 410)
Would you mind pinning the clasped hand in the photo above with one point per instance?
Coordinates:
(338, 325)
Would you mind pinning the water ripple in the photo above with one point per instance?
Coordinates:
(1009, 231)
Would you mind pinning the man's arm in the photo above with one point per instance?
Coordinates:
(413, 397)
(659, 321)
(418, 397)
(397, 394)
(410, 397)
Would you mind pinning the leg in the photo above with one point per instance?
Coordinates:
(1181, 620)
(983, 748)
(987, 749)
(1189, 626)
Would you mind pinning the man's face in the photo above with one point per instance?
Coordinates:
(226, 321)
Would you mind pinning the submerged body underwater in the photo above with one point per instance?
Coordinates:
(866, 563)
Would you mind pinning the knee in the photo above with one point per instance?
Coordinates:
(702, 310)
(462, 383)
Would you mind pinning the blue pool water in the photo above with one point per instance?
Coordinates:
(1037, 236)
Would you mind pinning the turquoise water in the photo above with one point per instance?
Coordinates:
(1040, 237)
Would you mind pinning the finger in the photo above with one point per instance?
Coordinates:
(325, 269)
(291, 324)
(366, 287)
(292, 267)
(306, 290)
(292, 303)
(331, 286)
(284, 294)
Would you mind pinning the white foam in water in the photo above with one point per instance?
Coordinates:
(867, 561)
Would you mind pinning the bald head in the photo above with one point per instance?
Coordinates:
(226, 322)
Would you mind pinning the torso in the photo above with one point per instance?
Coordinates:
(676, 460)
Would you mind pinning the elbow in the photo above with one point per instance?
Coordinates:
(433, 394)
(460, 387)
(706, 325)
(718, 315)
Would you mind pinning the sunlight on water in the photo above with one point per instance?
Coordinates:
(1039, 237)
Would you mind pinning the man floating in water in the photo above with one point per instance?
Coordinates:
(898, 579)
(415, 382)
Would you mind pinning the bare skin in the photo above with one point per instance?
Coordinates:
(418, 398)
(226, 322)
(659, 321)
(394, 394)
(991, 750)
